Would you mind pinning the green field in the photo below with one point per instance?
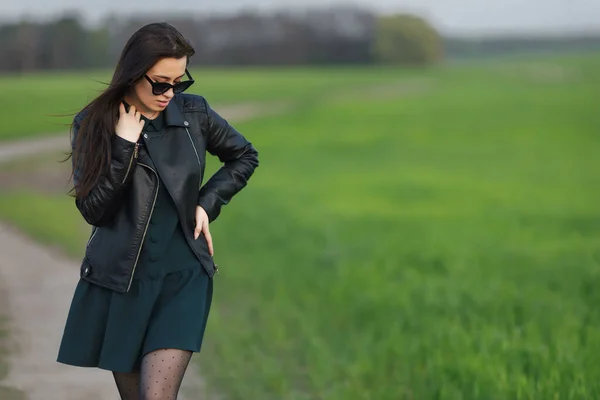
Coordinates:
(43, 103)
(438, 243)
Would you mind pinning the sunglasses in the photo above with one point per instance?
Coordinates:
(159, 88)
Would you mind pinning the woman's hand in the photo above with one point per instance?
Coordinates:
(130, 124)
(202, 227)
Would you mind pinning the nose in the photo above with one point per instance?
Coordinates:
(169, 94)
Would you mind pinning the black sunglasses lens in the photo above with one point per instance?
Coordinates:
(182, 86)
(160, 88)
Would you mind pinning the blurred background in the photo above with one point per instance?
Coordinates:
(424, 223)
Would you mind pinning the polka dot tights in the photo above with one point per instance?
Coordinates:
(159, 378)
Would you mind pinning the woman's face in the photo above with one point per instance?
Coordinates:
(169, 70)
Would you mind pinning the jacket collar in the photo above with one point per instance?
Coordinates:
(173, 114)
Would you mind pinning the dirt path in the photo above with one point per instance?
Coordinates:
(23, 148)
(39, 284)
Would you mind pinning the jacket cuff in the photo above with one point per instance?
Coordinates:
(122, 149)
(208, 202)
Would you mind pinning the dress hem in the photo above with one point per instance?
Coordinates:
(105, 367)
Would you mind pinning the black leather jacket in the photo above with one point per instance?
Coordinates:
(121, 204)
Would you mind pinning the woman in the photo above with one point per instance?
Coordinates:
(138, 154)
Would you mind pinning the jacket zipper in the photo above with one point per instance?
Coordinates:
(198, 158)
(146, 228)
(92, 237)
(134, 155)
(194, 147)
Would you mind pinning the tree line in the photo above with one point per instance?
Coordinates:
(340, 35)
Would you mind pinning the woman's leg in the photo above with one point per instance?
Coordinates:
(162, 373)
(128, 384)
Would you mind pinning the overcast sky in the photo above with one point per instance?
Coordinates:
(451, 16)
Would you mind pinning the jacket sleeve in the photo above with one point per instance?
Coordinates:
(103, 201)
(239, 158)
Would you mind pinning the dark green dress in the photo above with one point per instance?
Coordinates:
(167, 306)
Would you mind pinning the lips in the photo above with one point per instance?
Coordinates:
(163, 103)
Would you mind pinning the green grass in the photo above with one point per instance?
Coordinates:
(33, 103)
(442, 246)
(53, 220)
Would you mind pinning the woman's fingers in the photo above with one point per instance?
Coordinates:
(208, 236)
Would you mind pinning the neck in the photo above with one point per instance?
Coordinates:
(134, 101)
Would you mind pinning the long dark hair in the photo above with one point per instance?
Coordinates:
(92, 148)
